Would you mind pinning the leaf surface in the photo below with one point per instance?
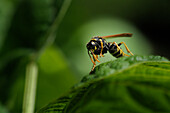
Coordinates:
(137, 84)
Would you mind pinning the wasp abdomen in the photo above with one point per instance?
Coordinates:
(116, 51)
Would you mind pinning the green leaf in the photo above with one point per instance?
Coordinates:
(55, 77)
(138, 84)
(23, 26)
(7, 8)
(3, 109)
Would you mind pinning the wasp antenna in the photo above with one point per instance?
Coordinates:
(118, 35)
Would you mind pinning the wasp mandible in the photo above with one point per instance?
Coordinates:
(99, 46)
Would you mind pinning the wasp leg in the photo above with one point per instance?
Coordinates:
(117, 45)
(95, 57)
(126, 48)
(94, 64)
(126, 54)
(101, 48)
(91, 58)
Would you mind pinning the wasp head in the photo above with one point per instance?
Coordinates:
(91, 46)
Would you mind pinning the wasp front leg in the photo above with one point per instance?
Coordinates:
(94, 64)
(95, 58)
(91, 58)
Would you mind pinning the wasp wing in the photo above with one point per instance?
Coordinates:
(118, 35)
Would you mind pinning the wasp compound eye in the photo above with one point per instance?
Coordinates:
(90, 45)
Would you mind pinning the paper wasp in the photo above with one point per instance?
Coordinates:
(99, 46)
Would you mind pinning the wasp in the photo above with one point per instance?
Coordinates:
(99, 46)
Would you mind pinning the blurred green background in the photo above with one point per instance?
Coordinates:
(24, 24)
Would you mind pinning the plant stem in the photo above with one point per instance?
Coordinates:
(52, 32)
(32, 69)
(30, 88)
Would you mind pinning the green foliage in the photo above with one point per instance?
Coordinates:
(3, 109)
(55, 77)
(29, 28)
(24, 29)
(137, 84)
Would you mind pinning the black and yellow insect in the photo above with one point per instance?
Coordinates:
(99, 46)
